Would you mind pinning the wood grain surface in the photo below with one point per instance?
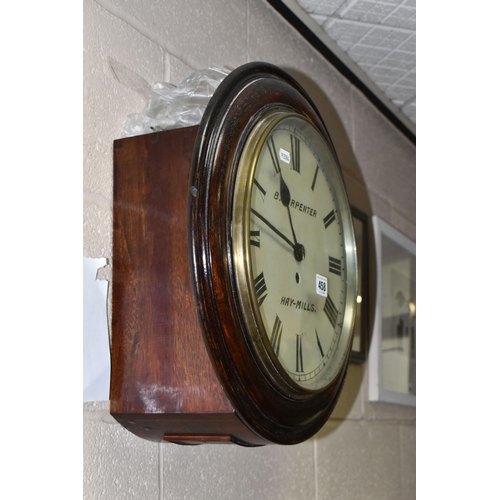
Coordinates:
(160, 366)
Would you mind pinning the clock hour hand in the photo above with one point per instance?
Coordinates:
(277, 231)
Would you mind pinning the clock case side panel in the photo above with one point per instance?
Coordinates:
(163, 386)
(273, 409)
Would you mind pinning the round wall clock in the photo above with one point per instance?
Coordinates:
(272, 253)
(234, 271)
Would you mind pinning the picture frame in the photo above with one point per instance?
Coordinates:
(361, 325)
(392, 358)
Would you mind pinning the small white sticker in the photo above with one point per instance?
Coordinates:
(321, 285)
(285, 155)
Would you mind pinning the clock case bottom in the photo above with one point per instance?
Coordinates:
(163, 384)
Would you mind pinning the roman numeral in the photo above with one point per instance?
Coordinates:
(259, 187)
(255, 238)
(331, 311)
(260, 288)
(329, 218)
(295, 146)
(334, 265)
(299, 365)
(276, 335)
(274, 155)
(319, 344)
(315, 177)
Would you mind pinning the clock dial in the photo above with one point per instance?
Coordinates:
(296, 263)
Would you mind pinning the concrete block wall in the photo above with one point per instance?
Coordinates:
(367, 450)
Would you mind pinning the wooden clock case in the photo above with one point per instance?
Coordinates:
(184, 369)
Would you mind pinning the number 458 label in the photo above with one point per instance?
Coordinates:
(321, 285)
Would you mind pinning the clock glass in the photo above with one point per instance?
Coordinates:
(294, 251)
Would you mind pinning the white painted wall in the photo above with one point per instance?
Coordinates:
(367, 450)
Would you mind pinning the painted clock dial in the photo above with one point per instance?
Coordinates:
(294, 246)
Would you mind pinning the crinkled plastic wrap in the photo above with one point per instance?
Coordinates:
(169, 106)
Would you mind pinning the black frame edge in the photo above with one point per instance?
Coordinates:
(289, 16)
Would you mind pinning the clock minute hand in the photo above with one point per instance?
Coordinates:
(285, 199)
(298, 249)
(277, 231)
(284, 191)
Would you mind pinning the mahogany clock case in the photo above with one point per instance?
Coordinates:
(184, 367)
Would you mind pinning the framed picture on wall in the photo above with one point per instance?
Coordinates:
(360, 340)
(392, 360)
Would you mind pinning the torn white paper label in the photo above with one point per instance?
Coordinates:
(96, 354)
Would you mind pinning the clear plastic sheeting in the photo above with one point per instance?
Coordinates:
(168, 106)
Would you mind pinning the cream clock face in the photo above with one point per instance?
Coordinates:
(298, 250)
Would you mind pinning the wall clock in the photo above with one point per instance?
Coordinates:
(234, 271)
